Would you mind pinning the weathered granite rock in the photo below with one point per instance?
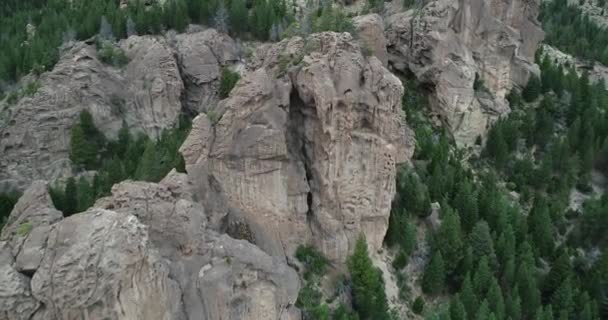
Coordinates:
(201, 56)
(220, 277)
(27, 226)
(101, 265)
(144, 252)
(448, 44)
(370, 29)
(16, 300)
(305, 151)
(35, 133)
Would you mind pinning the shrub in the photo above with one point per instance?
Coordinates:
(24, 229)
(110, 54)
(400, 261)
(312, 259)
(418, 305)
(228, 80)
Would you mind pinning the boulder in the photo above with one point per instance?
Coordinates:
(370, 30)
(16, 300)
(35, 133)
(220, 277)
(27, 226)
(471, 53)
(101, 265)
(201, 56)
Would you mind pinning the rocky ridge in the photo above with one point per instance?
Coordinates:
(305, 153)
(470, 54)
(142, 253)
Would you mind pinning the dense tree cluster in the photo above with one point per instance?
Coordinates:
(500, 258)
(33, 31)
(128, 157)
(570, 30)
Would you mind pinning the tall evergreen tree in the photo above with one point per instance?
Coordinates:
(70, 198)
(449, 239)
(368, 289)
(434, 275)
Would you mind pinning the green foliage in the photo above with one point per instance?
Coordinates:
(532, 89)
(331, 18)
(314, 262)
(369, 298)
(24, 229)
(59, 21)
(434, 275)
(449, 240)
(418, 305)
(128, 157)
(228, 80)
(7, 203)
(110, 54)
(568, 28)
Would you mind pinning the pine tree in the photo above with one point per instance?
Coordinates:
(414, 195)
(239, 16)
(70, 198)
(532, 89)
(468, 296)
(483, 312)
(368, 289)
(513, 305)
(457, 310)
(528, 289)
(483, 277)
(496, 300)
(149, 167)
(560, 271)
(449, 239)
(82, 152)
(481, 242)
(541, 227)
(562, 298)
(465, 203)
(85, 195)
(434, 275)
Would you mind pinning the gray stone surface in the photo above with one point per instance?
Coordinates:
(35, 133)
(446, 43)
(305, 152)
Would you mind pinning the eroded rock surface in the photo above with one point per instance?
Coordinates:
(35, 133)
(144, 252)
(448, 44)
(202, 55)
(305, 151)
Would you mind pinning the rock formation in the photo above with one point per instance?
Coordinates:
(305, 149)
(449, 44)
(35, 133)
(201, 55)
(142, 253)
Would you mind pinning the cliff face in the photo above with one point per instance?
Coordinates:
(448, 44)
(305, 152)
(142, 253)
(36, 131)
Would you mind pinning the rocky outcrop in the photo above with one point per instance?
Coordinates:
(596, 71)
(370, 29)
(305, 149)
(201, 56)
(27, 227)
(35, 133)
(449, 44)
(144, 252)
